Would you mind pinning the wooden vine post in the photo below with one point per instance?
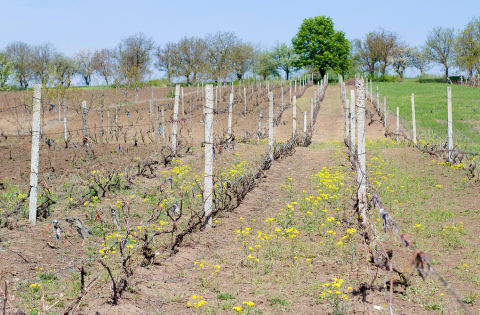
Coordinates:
(294, 116)
(347, 120)
(259, 131)
(230, 114)
(385, 112)
(208, 177)
(414, 125)
(244, 101)
(398, 124)
(85, 128)
(175, 120)
(361, 165)
(32, 207)
(270, 126)
(65, 128)
(352, 122)
(450, 126)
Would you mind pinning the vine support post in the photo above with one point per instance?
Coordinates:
(450, 126)
(32, 207)
(175, 120)
(208, 177)
(385, 112)
(270, 125)
(230, 113)
(361, 161)
(398, 123)
(352, 121)
(294, 115)
(414, 125)
(85, 128)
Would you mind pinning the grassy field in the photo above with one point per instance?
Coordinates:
(431, 110)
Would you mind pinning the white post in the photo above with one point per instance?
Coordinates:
(281, 95)
(175, 120)
(398, 124)
(270, 125)
(294, 116)
(378, 102)
(304, 121)
(216, 99)
(259, 132)
(150, 111)
(183, 106)
(85, 127)
(385, 112)
(244, 101)
(208, 179)
(361, 168)
(311, 112)
(414, 125)
(108, 124)
(352, 121)
(347, 120)
(230, 112)
(32, 207)
(163, 125)
(449, 121)
(65, 129)
(156, 123)
(290, 95)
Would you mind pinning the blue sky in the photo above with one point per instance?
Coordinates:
(71, 25)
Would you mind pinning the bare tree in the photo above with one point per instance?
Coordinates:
(401, 59)
(386, 44)
(365, 54)
(166, 59)
(440, 47)
(63, 68)
(420, 60)
(219, 54)
(242, 58)
(103, 64)
(133, 56)
(21, 54)
(190, 58)
(41, 62)
(84, 65)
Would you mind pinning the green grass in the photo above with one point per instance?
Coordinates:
(431, 110)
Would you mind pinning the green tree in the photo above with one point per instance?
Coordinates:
(6, 68)
(467, 47)
(266, 65)
(320, 46)
(285, 57)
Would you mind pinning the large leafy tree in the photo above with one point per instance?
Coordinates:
(319, 46)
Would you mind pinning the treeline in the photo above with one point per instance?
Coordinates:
(382, 50)
(216, 57)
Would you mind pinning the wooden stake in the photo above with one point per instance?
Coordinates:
(450, 124)
(361, 168)
(208, 178)
(270, 126)
(175, 119)
(32, 207)
(414, 125)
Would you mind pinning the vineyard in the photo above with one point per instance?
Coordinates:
(305, 197)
